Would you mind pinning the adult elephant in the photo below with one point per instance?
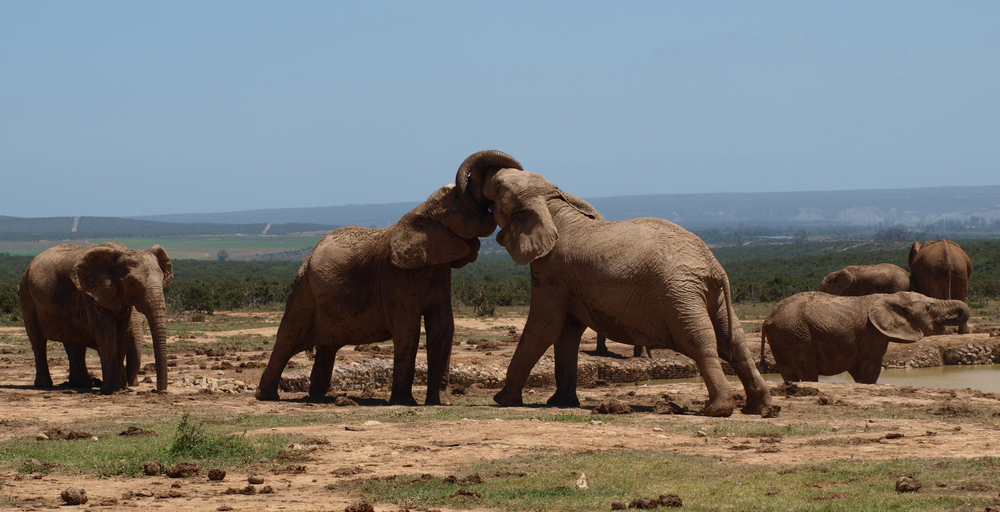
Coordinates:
(941, 269)
(86, 297)
(365, 285)
(814, 333)
(645, 282)
(866, 279)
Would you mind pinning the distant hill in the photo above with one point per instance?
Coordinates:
(911, 207)
(60, 228)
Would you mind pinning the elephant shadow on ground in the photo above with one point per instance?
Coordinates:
(332, 400)
(609, 354)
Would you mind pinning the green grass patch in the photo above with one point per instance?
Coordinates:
(547, 482)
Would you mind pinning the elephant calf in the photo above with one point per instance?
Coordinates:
(365, 285)
(866, 279)
(814, 333)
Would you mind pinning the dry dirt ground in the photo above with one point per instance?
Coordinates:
(359, 447)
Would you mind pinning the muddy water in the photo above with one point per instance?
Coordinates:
(984, 377)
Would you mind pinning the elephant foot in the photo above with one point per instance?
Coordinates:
(41, 382)
(316, 394)
(756, 405)
(563, 400)
(402, 399)
(718, 408)
(266, 395)
(508, 398)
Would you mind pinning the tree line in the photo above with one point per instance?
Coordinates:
(764, 273)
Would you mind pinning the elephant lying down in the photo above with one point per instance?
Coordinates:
(814, 333)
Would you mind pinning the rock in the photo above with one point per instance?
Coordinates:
(152, 467)
(255, 479)
(183, 470)
(41, 437)
(581, 483)
(216, 475)
(363, 506)
(907, 484)
(73, 496)
(770, 411)
(670, 500)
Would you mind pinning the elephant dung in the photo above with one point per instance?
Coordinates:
(907, 484)
(74, 496)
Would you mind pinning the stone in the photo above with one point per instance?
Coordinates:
(216, 475)
(74, 496)
(907, 484)
(255, 479)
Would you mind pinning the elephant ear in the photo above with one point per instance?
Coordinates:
(418, 241)
(94, 275)
(839, 283)
(913, 254)
(165, 266)
(521, 210)
(891, 315)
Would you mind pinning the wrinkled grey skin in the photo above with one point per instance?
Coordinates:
(645, 282)
(814, 333)
(941, 269)
(637, 351)
(866, 279)
(89, 297)
(365, 285)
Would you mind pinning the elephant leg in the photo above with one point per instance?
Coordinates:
(567, 352)
(322, 371)
(405, 340)
(541, 330)
(79, 376)
(106, 339)
(640, 351)
(440, 328)
(696, 339)
(739, 357)
(602, 344)
(133, 355)
(866, 371)
(39, 348)
(295, 334)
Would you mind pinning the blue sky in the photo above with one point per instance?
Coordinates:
(143, 108)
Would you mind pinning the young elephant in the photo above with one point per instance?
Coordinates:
(866, 279)
(87, 297)
(814, 333)
(645, 282)
(365, 285)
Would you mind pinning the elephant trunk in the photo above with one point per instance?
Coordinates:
(472, 173)
(155, 310)
(958, 313)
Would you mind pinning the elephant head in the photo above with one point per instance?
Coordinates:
(116, 277)
(836, 283)
(906, 317)
(443, 229)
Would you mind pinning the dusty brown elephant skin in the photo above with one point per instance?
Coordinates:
(866, 279)
(86, 297)
(814, 333)
(645, 282)
(941, 269)
(365, 285)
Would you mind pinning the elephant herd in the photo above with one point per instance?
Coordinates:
(645, 282)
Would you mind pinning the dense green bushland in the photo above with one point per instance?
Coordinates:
(763, 273)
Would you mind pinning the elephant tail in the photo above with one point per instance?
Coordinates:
(947, 267)
(722, 280)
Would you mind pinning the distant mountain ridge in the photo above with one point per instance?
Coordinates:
(911, 207)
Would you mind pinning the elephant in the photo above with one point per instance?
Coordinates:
(815, 333)
(941, 269)
(87, 297)
(637, 351)
(365, 285)
(866, 279)
(645, 282)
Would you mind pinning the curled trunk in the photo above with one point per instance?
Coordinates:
(472, 173)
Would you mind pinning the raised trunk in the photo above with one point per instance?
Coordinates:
(472, 172)
(155, 311)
